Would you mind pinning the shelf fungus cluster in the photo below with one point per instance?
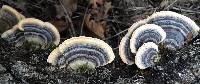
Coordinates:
(78, 51)
(147, 55)
(33, 34)
(8, 18)
(140, 44)
(179, 28)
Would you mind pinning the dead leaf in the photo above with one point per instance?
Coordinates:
(95, 20)
(100, 2)
(95, 2)
(189, 38)
(96, 27)
(59, 24)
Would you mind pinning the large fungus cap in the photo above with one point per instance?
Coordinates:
(34, 32)
(177, 27)
(78, 51)
(147, 55)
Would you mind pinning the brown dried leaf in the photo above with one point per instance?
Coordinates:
(59, 24)
(98, 24)
(189, 38)
(95, 2)
(97, 27)
(100, 2)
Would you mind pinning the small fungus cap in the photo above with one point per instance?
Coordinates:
(146, 55)
(146, 33)
(124, 47)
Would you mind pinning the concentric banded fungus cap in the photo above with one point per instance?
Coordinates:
(33, 33)
(147, 55)
(146, 33)
(124, 47)
(8, 18)
(77, 51)
(177, 27)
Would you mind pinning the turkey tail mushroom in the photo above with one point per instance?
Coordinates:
(77, 51)
(8, 18)
(124, 47)
(147, 55)
(146, 33)
(138, 36)
(170, 29)
(33, 33)
(177, 27)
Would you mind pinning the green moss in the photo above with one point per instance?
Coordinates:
(161, 46)
(31, 46)
(157, 58)
(84, 68)
(52, 47)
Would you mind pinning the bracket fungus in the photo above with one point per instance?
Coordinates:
(146, 33)
(124, 48)
(140, 35)
(32, 33)
(147, 55)
(8, 18)
(78, 51)
(171, 29)
(178, 28)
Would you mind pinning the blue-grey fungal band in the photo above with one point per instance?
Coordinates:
(146, 33)
(177, 27)
(36, 32)
(77, 51)
(146, 55)
(124, 48)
